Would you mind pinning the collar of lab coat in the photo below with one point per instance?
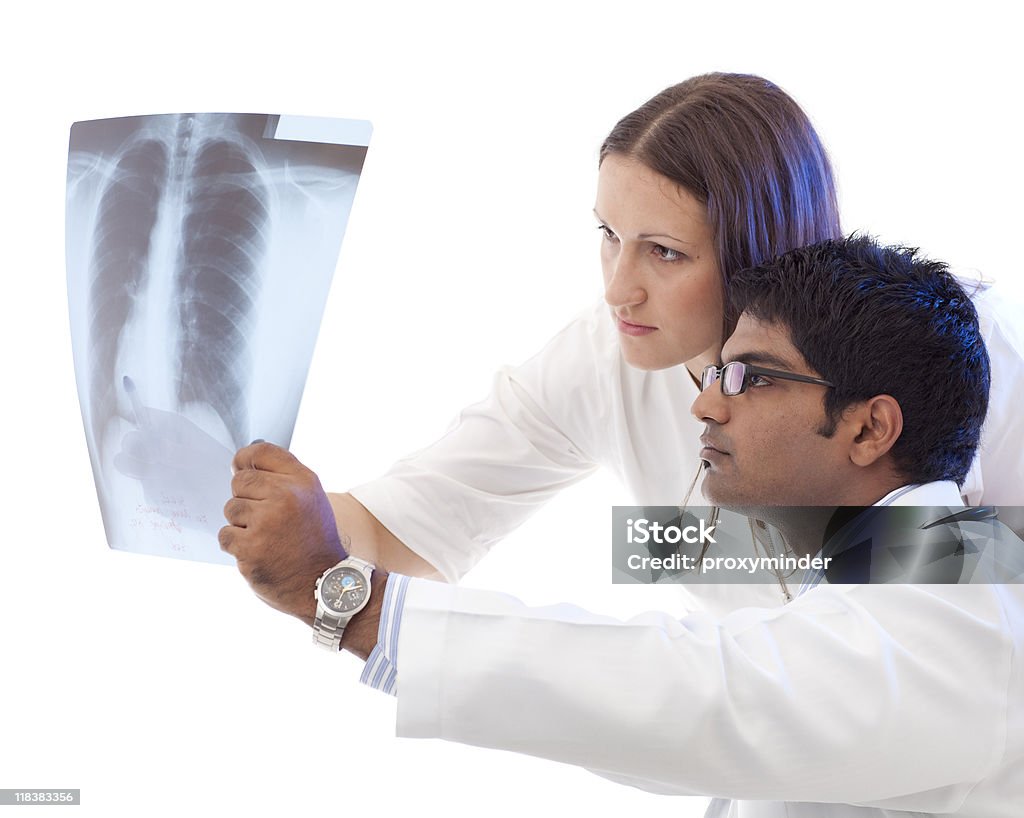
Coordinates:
(939, 493)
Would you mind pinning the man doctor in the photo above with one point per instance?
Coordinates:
(856, 376)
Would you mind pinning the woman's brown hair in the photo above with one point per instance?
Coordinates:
(746, 150)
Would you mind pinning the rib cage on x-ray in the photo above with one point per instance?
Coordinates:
(120, 263)
(224, 240)
(180, 235)
(200, 250)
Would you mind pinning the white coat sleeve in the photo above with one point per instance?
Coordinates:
(871, 696)
(542, 428)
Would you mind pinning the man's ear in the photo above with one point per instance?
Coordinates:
(873, 427)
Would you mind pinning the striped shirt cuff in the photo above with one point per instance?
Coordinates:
(381, 671)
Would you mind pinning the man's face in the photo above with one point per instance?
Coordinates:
(764, 447)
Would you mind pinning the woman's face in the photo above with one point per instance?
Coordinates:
(661, 276)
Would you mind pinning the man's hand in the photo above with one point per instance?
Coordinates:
(281, 528)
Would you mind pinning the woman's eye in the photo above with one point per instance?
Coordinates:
(667, 253)
(607, 233)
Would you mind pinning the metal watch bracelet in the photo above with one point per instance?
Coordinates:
(329, 628)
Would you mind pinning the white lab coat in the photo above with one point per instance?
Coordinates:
(480, 662)
(849, 701)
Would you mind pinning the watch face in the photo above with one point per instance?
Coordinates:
(343, 589)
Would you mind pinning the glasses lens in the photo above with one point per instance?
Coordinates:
(708, 377)
(732, 378)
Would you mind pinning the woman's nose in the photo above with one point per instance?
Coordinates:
(623, 285)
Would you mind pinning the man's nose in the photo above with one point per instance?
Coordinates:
(624, 287)
(711, 406)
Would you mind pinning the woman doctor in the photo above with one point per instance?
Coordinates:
(720, 172)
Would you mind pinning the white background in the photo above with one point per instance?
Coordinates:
(141, 679)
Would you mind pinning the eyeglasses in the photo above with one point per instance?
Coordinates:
(735, 377)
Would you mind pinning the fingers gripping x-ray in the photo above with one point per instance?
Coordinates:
(195, 249)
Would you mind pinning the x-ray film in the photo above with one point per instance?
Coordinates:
(200, 250)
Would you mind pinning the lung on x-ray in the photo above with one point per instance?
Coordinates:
(200, 250)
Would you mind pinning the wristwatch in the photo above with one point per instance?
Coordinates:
(341, 593)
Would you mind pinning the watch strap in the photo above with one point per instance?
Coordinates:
(328, 627)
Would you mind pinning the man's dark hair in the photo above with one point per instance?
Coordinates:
(879, 320)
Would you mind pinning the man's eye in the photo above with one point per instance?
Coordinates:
(758, 380)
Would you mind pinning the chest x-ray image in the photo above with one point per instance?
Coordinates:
(200, 250)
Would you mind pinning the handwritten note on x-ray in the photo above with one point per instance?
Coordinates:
(200, 249)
